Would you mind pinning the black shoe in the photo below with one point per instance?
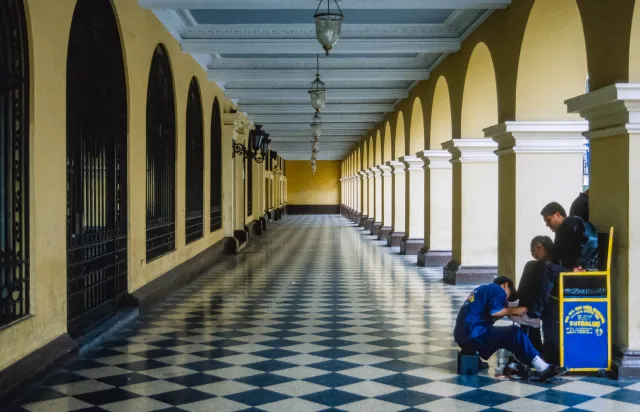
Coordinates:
(552, 371)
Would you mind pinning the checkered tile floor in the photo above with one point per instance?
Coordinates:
(314, 316)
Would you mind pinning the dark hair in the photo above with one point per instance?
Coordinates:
(501, 280)
(553, 208)
(547, 244)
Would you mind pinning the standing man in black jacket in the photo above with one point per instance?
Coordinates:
(580, 206)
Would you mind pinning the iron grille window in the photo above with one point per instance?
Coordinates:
(249, 187)
(195, 163)
(14, 162)
(161, 157)
(216, 167)
(96, 166)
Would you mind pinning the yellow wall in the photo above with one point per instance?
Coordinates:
(49, 24)
(321, 189)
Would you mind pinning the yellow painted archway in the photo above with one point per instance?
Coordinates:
(386, 154)
(553, 61)
(480, 99)
(441, 129)
(399, 146)
(416, 131)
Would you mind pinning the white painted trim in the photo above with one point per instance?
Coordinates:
(396, 166)
(611, 111)
(436, 159)
(471, 150)
(550, 137)
(412, 163)
(303, 46)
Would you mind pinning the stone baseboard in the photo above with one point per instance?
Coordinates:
(394, 238)
(384, 232)
(18, 377)
(368, 224)
(411, 246)
(433, 258)
(375, 228)
(626, 363)
(470, 275)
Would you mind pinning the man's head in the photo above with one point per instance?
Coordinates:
(553, 215)
(542, 248)
(506, 284)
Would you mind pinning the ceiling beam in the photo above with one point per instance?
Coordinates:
(306, 119)
(329, 140)
(307, 133)
(311, 5)
(296, 94)
(283, 109)
(274, 127)
(325, 74)
(306, 46)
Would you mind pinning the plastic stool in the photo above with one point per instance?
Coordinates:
(467, 363)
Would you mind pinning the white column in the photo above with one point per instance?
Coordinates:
(364, 197)
(475, 211)
(233, 125)
(398, 183)
(371, 189)
(414, 215)
(538, 163)
(613, 113)
(377, 201)
(437, 209)
(387, 200)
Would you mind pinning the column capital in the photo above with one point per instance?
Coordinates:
(611, 111)
(412, 163)
(471, 150)
(396, 166)
(385, 170)
(541, 137)
(363, 174)
(436, 159)
(238, 120)
(375, 171)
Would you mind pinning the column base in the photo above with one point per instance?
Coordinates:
(411, 246)
(394, 238)
(470, 275)
(242, 236)
(231, 245)
(368, 224)
(363, 220)
(433, 258)
(384, 232)
(626, 363)
(263, 223)
(355, 217)
(375, 228)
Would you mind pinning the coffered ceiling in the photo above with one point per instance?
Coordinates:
(263, 54)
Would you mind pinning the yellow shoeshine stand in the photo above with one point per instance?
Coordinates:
(585, 314)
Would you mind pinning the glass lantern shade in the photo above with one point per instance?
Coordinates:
(313, 156)
(315, 146)
(318, 94)
(316, 125)
(313, 169)
(328, 26)
(257, 135)
(264, 148)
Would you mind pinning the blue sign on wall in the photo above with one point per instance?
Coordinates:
(586, 166)
(586, 337)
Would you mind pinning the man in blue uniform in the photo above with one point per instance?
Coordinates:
(474, 331)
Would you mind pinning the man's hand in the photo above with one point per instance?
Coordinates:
(510, 311)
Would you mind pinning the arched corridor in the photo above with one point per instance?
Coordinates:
(180, 168)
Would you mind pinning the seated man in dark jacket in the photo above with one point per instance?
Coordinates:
(576, 240)
(536, 283)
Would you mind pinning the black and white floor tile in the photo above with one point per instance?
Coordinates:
(315, 316)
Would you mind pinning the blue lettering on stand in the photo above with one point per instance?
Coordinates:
(586, 165)
(586, 336)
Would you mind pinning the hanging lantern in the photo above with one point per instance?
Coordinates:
(316, 125)
(315, 146)
(328, 25)
(317, 91)
(313, 169)
(314, 156)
